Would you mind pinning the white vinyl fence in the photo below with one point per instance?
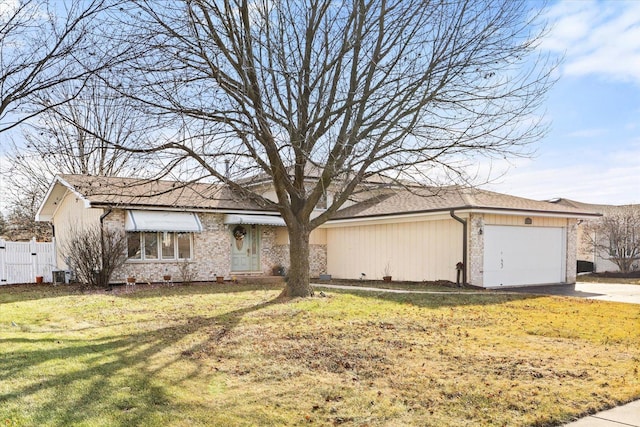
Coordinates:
(22, 262)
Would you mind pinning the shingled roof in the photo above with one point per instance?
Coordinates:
(139, 193)
(136, 192)
(430, 199)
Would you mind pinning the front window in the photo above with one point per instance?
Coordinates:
(184, 245)
(159, 245)
(168, 246)
(151, 245)
(133, 245)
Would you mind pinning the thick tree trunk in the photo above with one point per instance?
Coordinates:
(298, 276)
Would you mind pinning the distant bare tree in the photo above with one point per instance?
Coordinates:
(616, 236)
(319, 96)
(69, 138)
(60, 135)
(95, 254)
(44, 44)
(3, 224)
(20, 223)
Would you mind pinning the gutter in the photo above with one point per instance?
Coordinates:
(102, 217)
(464, 244)
(466, 209)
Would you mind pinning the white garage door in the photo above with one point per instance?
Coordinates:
(523, 255)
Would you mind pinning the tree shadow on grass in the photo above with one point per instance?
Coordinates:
(86, 381)
(30, 292)
(444, 299)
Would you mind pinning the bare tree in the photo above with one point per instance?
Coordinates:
(95, 254)
(3, 224)
(616, 236)
(68, 137)
(43, 44)
(319, 96)
(60, 134)
(21, 224)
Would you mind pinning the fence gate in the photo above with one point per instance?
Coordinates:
(22, 262)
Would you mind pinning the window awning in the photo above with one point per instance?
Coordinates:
(162, 221)
(254, 219)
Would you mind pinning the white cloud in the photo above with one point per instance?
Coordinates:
(605, 177)
(8, 6)
(588, 133)
(600, 38)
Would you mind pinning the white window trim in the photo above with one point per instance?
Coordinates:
(160, 258)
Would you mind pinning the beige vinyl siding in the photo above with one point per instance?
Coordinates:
(416, 251)
(317, 236)
(72, 216)
(536, 221)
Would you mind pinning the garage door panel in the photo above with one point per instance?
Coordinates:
(523, 255)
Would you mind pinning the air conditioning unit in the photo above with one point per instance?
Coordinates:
(58, 277)
(62, 276)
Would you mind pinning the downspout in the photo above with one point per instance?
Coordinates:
(102, 217)
(464, 244)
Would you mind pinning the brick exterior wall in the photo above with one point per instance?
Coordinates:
(211, 253)
(475, 250)
(572, 242)
(317, 258)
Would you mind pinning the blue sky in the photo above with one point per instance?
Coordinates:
(592, 152)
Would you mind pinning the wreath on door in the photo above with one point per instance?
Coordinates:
(238, 233)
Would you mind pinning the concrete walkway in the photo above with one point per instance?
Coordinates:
(622, 416)
(393, 291)
(599, 291)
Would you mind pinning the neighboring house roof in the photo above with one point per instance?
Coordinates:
(135, 193)
(432, 199)
(598, 208)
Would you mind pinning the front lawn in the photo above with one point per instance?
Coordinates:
(235, 355)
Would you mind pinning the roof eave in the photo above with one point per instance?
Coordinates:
(470, 209)
(537, 212)
(44, 217)
(155, 207)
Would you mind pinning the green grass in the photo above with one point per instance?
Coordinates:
(236, 355)
(440, 286)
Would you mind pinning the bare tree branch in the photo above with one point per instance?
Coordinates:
(319, 96)
(616, 236)
(44, 44)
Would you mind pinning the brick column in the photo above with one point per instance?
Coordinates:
(475, 257)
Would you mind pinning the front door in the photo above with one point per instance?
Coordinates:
(245, 247)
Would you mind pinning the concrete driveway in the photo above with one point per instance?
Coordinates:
(600, 291)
